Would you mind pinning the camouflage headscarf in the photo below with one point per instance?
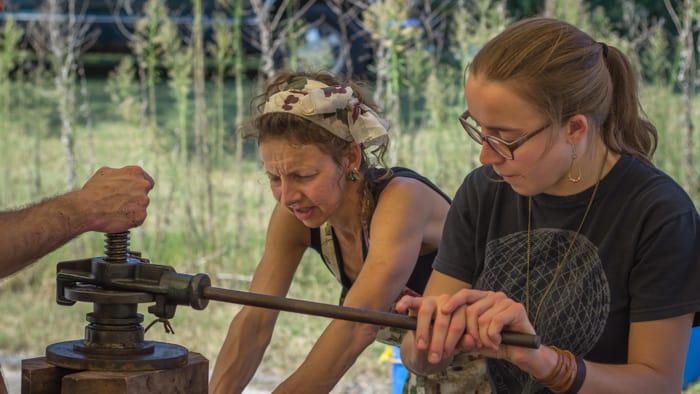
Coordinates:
(335, 108)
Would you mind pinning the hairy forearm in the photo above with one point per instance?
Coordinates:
(30, 233)
(334, 353)
(112, 200)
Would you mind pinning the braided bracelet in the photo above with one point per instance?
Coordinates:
(568, 374)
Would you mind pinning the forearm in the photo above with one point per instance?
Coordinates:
(334, 353)
(606, 378)
(111, 201)
(627, 378)
(241, 353)
(655, 359)
(30, 233)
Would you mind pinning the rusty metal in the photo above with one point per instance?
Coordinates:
(122, 279)
(342, 312)
(116, 284)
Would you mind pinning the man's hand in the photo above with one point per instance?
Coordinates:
(115, 200)
(111, 201)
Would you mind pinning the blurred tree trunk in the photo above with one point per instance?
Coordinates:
(86, 115)
(64, 62)
(267, 24)
(10, 58)
(223, 52)
(201, 127)
(144, 44)
(383, 20)
(275, 28)
(239, 75)
(64, 41)
(686, 22)
(348, 13)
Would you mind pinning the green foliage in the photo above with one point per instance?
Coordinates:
(145, 46)
(178, 62)
(148, 121)
(572, 11)
(10, 57)
(475, 22)
(123, 90)
(226, 51)
(655, 59)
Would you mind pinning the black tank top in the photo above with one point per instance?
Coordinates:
(423, 266)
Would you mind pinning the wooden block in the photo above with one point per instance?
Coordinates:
(192, 378)
(3, 387)
(41, 377)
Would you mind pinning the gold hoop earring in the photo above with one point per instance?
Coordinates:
(577, 178)
(354, 175)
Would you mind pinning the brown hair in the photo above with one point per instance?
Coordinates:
(562, 71)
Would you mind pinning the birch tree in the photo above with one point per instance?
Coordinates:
(63, 37)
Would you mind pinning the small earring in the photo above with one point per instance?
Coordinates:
(354, 175)
(577, 178)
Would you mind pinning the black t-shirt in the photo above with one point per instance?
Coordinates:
(637, 258)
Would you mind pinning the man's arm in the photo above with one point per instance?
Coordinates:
(112, 200)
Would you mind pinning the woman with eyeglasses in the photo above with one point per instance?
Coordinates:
(567, 231)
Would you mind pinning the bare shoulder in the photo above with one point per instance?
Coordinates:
(412, 207)
(409, 185)
(411, 190)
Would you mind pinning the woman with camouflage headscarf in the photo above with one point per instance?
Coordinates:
(377, 229)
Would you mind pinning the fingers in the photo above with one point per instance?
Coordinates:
(469, 319)
(117, 199)
(423, 308)
(140, 172)
(456, 331)
(490, 319)
(408, 304)
(440, 329)
(437, 332)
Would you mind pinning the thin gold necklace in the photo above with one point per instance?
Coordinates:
(560, 266)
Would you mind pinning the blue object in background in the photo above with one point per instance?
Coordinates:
(399, 373)
(691, 373)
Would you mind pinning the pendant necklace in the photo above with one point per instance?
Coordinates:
(560, 266)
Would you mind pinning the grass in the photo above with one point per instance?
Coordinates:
(179, 232)
(693, 388)
(29, 312)
(175, 233)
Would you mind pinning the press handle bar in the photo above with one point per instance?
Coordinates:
(359, 315)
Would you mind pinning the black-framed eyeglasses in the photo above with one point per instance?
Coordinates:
(504, 148)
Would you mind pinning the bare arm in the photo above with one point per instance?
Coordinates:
(112, 200)
(407, 214)
(656, 353)
(251, 329)
(655, 361)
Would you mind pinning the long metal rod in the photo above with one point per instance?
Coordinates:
(340, 312)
